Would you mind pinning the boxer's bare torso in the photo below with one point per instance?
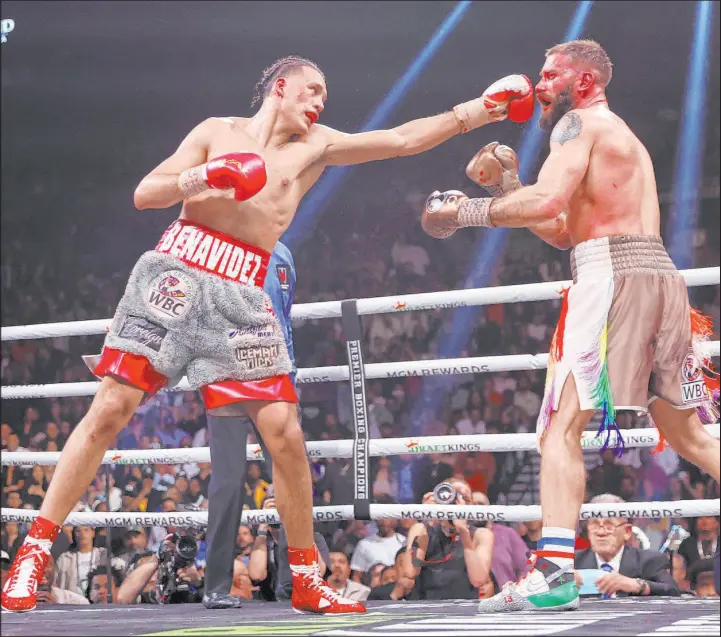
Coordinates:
(292, 170)
(617, 194)
(295, 150)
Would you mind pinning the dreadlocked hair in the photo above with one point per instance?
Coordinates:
(278, 69)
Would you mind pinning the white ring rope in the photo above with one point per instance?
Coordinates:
(439, 367)
(378, 305)
(492, 443)
(420, 512)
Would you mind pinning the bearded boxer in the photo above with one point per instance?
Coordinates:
(196, 305)
(627, 337)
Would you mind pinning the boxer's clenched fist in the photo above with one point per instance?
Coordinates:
(440, 213)
(244, 173)
(495, 168)
(510, 97)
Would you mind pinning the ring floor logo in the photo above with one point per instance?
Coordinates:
(421, 623)
(325, 625)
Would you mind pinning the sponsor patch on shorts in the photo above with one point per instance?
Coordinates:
(268, 305)
(251, 358)
(170, 294)
(248, 333)
(136, 328)
(693, 390)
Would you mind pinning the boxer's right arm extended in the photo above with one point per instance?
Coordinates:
(510, 97)
(186, 173)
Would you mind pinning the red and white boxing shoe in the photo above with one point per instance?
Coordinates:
(19, 594)
(310, 592)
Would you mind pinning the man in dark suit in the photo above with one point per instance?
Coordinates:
(630, 571)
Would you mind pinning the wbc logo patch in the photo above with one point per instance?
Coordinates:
(284, 277)
(693, 390)
(169, 294)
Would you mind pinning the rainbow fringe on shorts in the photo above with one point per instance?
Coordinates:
(555, 355)
(595, 370)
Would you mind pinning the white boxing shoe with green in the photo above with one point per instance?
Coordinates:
(546, 587)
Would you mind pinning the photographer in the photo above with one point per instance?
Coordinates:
(452, 559)
(178, 580)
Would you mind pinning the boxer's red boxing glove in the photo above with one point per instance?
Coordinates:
(512, 94)
(242, 172)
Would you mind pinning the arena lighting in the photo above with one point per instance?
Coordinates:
(689, 150)
(453, 338)
(321, 195)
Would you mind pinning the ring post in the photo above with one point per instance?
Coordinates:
(352, 329)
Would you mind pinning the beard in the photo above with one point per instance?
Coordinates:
(549, 120)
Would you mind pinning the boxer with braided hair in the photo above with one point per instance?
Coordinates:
(279, 68)
(195, 304)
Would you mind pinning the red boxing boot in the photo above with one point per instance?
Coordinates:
(310, 593)
(20, 591)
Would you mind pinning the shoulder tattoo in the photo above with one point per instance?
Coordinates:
(567, 129)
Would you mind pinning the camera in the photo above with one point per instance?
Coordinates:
(445, 493)
(177, 552)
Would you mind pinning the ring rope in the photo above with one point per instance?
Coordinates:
(492, 443)
(419, 512)
(438, 367)
(379, 305)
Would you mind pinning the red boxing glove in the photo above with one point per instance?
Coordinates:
(242, 172)
(512, 94)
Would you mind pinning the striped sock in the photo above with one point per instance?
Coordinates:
(556, 545)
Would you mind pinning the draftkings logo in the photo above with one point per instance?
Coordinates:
(8, 25)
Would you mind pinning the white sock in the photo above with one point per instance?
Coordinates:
(557, 545)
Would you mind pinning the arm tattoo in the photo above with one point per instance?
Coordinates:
(567, 129)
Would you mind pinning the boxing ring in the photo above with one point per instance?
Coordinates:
(628, 616)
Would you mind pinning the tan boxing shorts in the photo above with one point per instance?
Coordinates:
(626, 334)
